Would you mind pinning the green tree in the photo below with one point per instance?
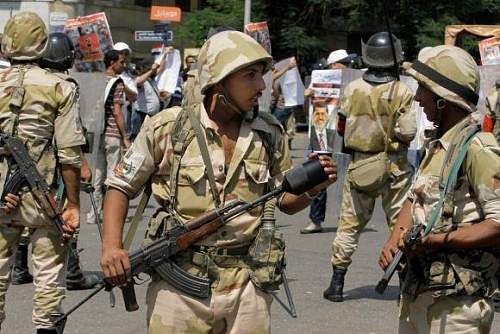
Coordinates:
(300, 27)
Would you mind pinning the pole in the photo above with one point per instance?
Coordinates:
(248, 11)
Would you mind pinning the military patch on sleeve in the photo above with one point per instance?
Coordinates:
(128, 167)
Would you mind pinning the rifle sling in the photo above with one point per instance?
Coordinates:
(202, 143)
(134, 223)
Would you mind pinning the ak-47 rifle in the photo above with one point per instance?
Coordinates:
(411, 239)
(28, 175)
(157, 255)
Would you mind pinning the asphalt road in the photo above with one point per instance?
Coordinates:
(309, 271)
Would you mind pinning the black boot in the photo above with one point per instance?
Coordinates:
(46, 331)
(334, 292)
(20, 272)
(75, 279)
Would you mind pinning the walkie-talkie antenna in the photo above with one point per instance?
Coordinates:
(393, 48)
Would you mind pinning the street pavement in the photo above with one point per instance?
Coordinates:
(308, 271)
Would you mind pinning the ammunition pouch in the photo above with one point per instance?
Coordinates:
(267, 259)
(160, 222)
(370, 174)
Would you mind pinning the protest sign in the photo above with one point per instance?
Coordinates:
(291, 84)
(260, 32)
(91, 37)
(167, 79)
(489, 49)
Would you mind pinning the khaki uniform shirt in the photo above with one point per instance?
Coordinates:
(476, 198)
(367, 109)
(48, 122)
(244, 178)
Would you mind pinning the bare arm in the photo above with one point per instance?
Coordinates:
(114, 259)
(279, 73)
(71, 178)
(483, 234)
(291, 203)
(120, 123)
(404, 222)
(71, 214)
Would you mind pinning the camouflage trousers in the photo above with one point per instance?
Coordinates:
(240, 310)
(108, 155)
(357, 208)
(49, 261)
(450, 315)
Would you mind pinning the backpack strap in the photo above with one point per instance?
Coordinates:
(449, 172)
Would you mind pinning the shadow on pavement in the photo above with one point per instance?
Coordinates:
(368, 292)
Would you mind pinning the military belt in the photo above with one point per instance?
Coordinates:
(233, 251)
(203, 256)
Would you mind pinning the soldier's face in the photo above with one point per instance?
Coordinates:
(427, 100)
(245, 86)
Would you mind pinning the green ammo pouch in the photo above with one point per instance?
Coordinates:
(160, 222)
(369, 174)
(267, 258)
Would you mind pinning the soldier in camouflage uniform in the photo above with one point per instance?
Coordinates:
(42, 110)
(452, 271)
(231, 65)
(372, 106)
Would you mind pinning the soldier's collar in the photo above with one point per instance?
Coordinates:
(449, 136)
(205, 121)
(259, 124)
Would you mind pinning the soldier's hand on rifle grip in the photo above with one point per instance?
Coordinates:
(330, 168)
(71, 217)
(418, 248)
(387, 254)
(11, 202)
(115, 265)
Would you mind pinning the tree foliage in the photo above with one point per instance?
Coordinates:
(302, 27)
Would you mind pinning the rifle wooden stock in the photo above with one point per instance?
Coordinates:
(189, 238)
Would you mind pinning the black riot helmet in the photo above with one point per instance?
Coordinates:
(377, 55)
(60, 53)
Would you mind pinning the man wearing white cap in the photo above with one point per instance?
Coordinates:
(337, 60)
(130, 85)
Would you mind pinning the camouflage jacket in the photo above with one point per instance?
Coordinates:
(476, 198)
(48, 123)
(368, 110)
(245, 178)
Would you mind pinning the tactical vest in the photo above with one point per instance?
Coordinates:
(41, 150)
(184, 133)
(454, 272)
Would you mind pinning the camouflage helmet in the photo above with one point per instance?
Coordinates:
(25, 37)
(449, 72)
(227, 52)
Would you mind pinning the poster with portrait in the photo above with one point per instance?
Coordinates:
(260, 32)
(489, 49)
(91, 37)
(326, 87)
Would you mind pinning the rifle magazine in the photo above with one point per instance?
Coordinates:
(183, 281)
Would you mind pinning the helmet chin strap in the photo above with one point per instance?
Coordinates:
(223, 99)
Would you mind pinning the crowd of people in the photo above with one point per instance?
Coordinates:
(207, 145)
